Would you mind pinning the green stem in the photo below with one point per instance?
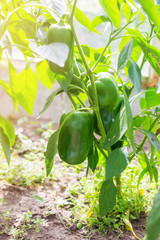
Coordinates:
(69, 5)
(102, 151)
(83, 86)
(96, 108)
(80, 49)
(15, 8)
(81, 102)
(99, 58)
(144, 139)
(85, 89)
(111, 38)
(118, 184)
(72, 100)
(29, 5)
(72, 12)
(144, 57)
(88, 70)
(17, 45)
(77, 78)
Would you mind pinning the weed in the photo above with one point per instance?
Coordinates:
(28, 223)
(132, 202)
(27, 161)
(5, 221)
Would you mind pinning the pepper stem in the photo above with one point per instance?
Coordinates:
(72, 100)
(118, 184)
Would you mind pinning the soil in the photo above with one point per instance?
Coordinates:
(19, 200)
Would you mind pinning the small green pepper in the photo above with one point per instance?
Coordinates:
(61, 34)
(107, 91)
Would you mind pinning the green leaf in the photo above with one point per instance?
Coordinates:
(149, 166)
(124, 41)
(54, 52)
(64, 80)
(129, 118)
(51, 151)
(98, 20)
(12, 72)
(136, 52)
(158, 157)
(152, 11)
(117, 129)
(6, 87)
(127, 11)
(3, 27)
(24, 87)
(5, 145)
(116, 163)
(151, 53)
(28, 26)
(93, 158)
(39, 199)
(153, 139)
(84, 20)
(50, 99)
(152, 98)
(153, 221)
(12, 75)
(1, 52)
(125, 55)
(44, 74)
(112, 10)
(107, 197)
(87, 50)
(155, 173)
(19, 37)
(144, 171)
(8, 129)
(143, 103)
(135, 75)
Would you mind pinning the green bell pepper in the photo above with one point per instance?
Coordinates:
(107, 91)
(61, 34)
(75, 137)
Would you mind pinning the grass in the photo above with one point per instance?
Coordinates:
(28, 222)
(27, 160)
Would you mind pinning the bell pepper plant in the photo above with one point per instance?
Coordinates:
(101, 121)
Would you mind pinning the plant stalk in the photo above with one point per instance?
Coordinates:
(118, 184)
(101, 150)
(72, 12)
(80, 49)
(107, 45)
(81, 102)
(72, 100)
(88, 70)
